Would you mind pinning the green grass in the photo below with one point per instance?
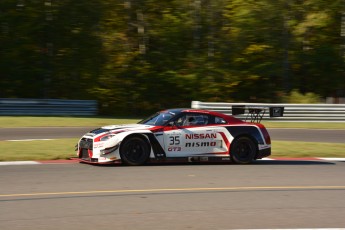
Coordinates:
(38, 150)
(28, 121)
(305, 125)
(64, 149)
(307, 149)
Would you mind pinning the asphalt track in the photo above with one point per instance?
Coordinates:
(264, 195)
(309, 135)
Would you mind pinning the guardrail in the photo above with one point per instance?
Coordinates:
(292, 112)
(20, 107)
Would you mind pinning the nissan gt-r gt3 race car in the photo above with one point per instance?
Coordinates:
(178, 135)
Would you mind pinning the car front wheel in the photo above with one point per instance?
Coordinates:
(134, 151)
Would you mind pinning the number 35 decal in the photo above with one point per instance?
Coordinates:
(174, 140)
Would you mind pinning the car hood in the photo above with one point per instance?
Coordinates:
(117, 128)
(127, 126)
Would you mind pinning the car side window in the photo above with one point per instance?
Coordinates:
(180, 121)
(193, 120)
(219, 120)
(200, 120)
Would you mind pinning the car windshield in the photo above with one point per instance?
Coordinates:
(158, 119)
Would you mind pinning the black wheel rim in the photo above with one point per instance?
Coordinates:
(244, 150)
(134, 151)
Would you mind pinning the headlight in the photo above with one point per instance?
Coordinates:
(107, 137)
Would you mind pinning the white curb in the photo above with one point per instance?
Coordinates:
(19, 163)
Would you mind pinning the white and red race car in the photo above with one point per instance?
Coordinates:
(177, 135)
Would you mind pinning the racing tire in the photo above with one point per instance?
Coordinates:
(134, 151)
(243, 150)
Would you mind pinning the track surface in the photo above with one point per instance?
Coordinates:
(267, 194)
(312, 135)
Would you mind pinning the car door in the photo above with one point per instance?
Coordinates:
(190, 136)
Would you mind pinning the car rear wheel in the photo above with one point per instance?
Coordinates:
(134, 151)
(243, 150)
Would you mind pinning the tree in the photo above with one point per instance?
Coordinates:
(137, 56)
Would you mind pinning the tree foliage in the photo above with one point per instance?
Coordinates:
(137, 56)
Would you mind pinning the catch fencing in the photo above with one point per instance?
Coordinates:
(292, 112)
(47, 107)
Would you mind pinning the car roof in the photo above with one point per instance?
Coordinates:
(188, 110)
(228, 118)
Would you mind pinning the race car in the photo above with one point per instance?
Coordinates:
(190, 135)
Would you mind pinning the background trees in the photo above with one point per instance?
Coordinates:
(138, 56)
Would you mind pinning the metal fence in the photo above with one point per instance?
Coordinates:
(292, 112)
(21, 107)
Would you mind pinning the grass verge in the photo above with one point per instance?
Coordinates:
(64, 149)
(307, 149)
(28, 121)
(305, 125)
(37, 150)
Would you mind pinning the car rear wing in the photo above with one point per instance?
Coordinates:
(256, 113)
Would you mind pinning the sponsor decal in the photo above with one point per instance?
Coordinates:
(201, 136)
(174, 140)
(98, 145)
(201, 144)
(174, 149)
(197, 159)
(203, 158)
